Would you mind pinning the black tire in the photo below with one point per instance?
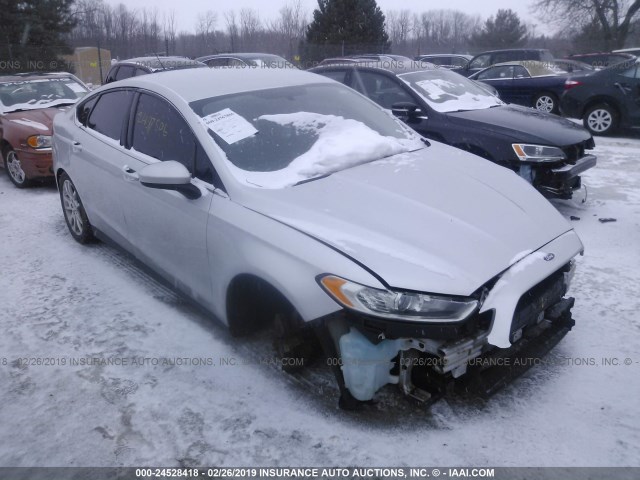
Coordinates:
(295, 346)
(74, 212)
(14, 169)
(601, 119)
(546, 102)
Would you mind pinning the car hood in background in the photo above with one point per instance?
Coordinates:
(438, 220)
(31, 122)
(523, 125)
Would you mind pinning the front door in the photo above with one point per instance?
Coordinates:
(168, 229)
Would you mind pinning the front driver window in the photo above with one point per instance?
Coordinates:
(160, 132)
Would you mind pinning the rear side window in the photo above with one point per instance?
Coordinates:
(160, 132)
(111, 76)
(218, 62)
(497, 73)
(125, 71)
(520, 72)
(481, 61)
(337, 75)
(110, 112)
(83, 111)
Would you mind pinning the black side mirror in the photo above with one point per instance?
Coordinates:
(406, 110)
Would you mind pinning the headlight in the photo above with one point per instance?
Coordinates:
(39, 141)
(410, 306)
(538, 153)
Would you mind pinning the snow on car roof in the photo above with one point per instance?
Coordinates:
(199, 83)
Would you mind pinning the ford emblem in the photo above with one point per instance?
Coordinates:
(549, 256)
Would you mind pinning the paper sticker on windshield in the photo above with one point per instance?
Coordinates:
(76, 87)
(230, 126)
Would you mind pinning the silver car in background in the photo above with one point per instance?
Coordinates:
(283, 196)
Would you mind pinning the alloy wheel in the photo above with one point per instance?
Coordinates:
(14, 168)
(71, 203)
(545, 103)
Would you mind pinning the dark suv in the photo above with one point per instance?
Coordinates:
(548, 151)
(486, 59)
(134, 67)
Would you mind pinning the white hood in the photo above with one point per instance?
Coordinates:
(437, 220)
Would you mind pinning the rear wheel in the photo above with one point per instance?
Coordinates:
(601, 119)
(74, 213)
(14, 168)
(546, 102)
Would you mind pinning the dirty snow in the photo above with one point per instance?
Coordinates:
(334, 149)
(61, 300)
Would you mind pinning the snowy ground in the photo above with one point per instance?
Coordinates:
(59, 300)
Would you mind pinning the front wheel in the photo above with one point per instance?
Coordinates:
(74, 213)
(601, 119)
(14, 168)
(546, 102)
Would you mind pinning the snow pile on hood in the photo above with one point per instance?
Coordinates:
(342, 143)
(438, 94)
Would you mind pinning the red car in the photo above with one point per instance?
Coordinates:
(28, 103)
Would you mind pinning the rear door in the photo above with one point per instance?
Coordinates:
(626, 84)
(501, 77)
(168, 229)
(522, 88)
(98, 157)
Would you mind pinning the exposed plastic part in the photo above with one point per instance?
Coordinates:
(366, 366)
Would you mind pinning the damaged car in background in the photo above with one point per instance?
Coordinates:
(285, 198)
(28, 103)
(548, 151)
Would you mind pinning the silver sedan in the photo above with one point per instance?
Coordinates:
(283, 196)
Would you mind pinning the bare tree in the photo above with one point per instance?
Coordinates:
(206, 29)
(288, 28)
(613, 17)
(249, 27)
(170, 26)
(232, 29)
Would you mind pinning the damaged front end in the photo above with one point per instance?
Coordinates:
(520, 315)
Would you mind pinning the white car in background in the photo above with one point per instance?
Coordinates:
(280, 195)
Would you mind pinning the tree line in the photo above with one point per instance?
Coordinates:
(45, 29)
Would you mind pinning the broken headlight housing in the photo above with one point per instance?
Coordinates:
(409, 306)
(538, 153)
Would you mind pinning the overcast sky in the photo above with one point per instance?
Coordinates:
(187, 10)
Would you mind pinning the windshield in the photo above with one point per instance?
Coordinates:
(39, 93)
(279, 137)
(446, 91)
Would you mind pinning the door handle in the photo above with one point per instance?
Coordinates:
(130, 174)
(76, 146)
